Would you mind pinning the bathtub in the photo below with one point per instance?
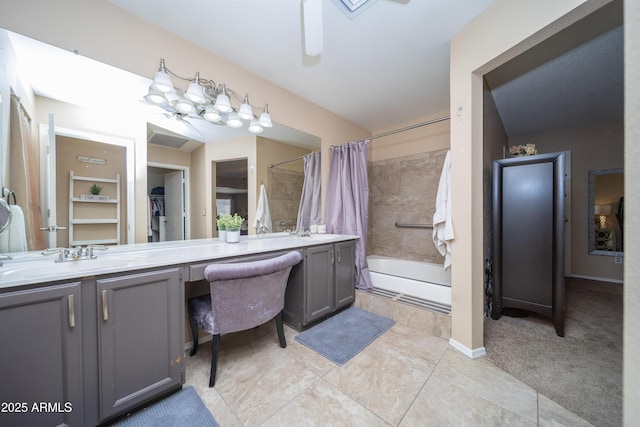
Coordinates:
(420, 280)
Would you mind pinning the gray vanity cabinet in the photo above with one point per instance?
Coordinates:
(140, 341)
(320, 289)
(323, 284)
(40, 357)
(345, 261)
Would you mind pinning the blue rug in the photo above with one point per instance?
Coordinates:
(344, 335)
(184, 408)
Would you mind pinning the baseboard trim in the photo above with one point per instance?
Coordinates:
(472, 354)
(600, 279)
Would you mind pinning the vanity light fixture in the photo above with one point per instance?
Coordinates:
(204, 98)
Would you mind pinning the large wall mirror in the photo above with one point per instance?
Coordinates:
(606, 212)
(171, 144)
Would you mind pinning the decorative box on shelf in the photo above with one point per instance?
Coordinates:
(94, 197)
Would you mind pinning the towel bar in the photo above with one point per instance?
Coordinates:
(400, 225)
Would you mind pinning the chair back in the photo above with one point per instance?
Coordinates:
(247, 294)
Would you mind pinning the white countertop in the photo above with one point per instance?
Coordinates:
(27, 268)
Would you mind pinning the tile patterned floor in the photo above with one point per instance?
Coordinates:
(404, 378)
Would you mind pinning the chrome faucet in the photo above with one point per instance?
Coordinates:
(76, 253)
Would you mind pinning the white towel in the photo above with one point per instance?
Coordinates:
(442, 226)
(263, 215)
(14, 238)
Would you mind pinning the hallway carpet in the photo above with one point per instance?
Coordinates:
(583, 370)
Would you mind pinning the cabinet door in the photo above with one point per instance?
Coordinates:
(40, 357)
(140, 345)
(320, 282)
(345, 273)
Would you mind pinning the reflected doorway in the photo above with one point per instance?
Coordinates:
(231, 190)
(167, 203)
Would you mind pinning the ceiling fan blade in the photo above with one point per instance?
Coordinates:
(191, 126)
(312, 16)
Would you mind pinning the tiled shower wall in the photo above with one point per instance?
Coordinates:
(284, 190)
(404, 190)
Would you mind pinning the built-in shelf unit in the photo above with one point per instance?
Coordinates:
(87, 215)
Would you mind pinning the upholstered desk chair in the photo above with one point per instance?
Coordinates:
(243, 296)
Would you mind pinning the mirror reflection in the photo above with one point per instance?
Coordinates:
(101, 142)
(606, 212)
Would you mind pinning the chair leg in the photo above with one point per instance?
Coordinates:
(215, 350)
(280, 329)
(194, 334)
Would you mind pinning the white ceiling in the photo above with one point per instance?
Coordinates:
(386, 66)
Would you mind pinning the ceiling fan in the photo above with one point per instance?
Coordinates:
(312, 20)
(171, 112)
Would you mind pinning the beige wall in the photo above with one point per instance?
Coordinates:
(419, 140)
(515, 26)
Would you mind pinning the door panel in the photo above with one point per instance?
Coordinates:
(174, 205)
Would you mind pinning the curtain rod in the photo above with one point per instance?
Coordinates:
(287, 161)
(391, 132)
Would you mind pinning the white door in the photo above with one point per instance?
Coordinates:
(174, 205)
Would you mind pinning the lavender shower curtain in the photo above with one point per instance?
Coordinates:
(348, 201)
(310, 201)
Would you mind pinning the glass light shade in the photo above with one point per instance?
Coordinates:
(255, 127)
(195, 93)
(233, 121)
(172, 97)
(245, 111)
(223, 103)
(155, 97)
(162, 81)
(185, 106)
(211, 114)
(265, 120)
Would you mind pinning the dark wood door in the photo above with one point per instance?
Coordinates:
(528, 236)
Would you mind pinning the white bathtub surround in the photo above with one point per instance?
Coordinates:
(442, 225)
(418, 283)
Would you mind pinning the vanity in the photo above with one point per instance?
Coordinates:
(89, 340)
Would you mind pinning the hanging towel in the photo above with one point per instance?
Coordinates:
(442, 226)
(14, 238)
(263, 216)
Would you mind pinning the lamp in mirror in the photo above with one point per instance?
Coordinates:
(601, 211)
(605, 212)
(206, 99)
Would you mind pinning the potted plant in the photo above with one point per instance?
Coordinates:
(222, 226)
(234, 223)
(94, 191)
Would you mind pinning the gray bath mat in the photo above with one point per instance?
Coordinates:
(184, 408)
(344, 335)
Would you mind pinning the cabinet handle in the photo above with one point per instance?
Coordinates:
(72, 311)
(338, 254)
(331, 256)
(105, 308)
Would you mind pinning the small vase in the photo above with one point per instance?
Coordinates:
(222, 235)
(233, 236)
